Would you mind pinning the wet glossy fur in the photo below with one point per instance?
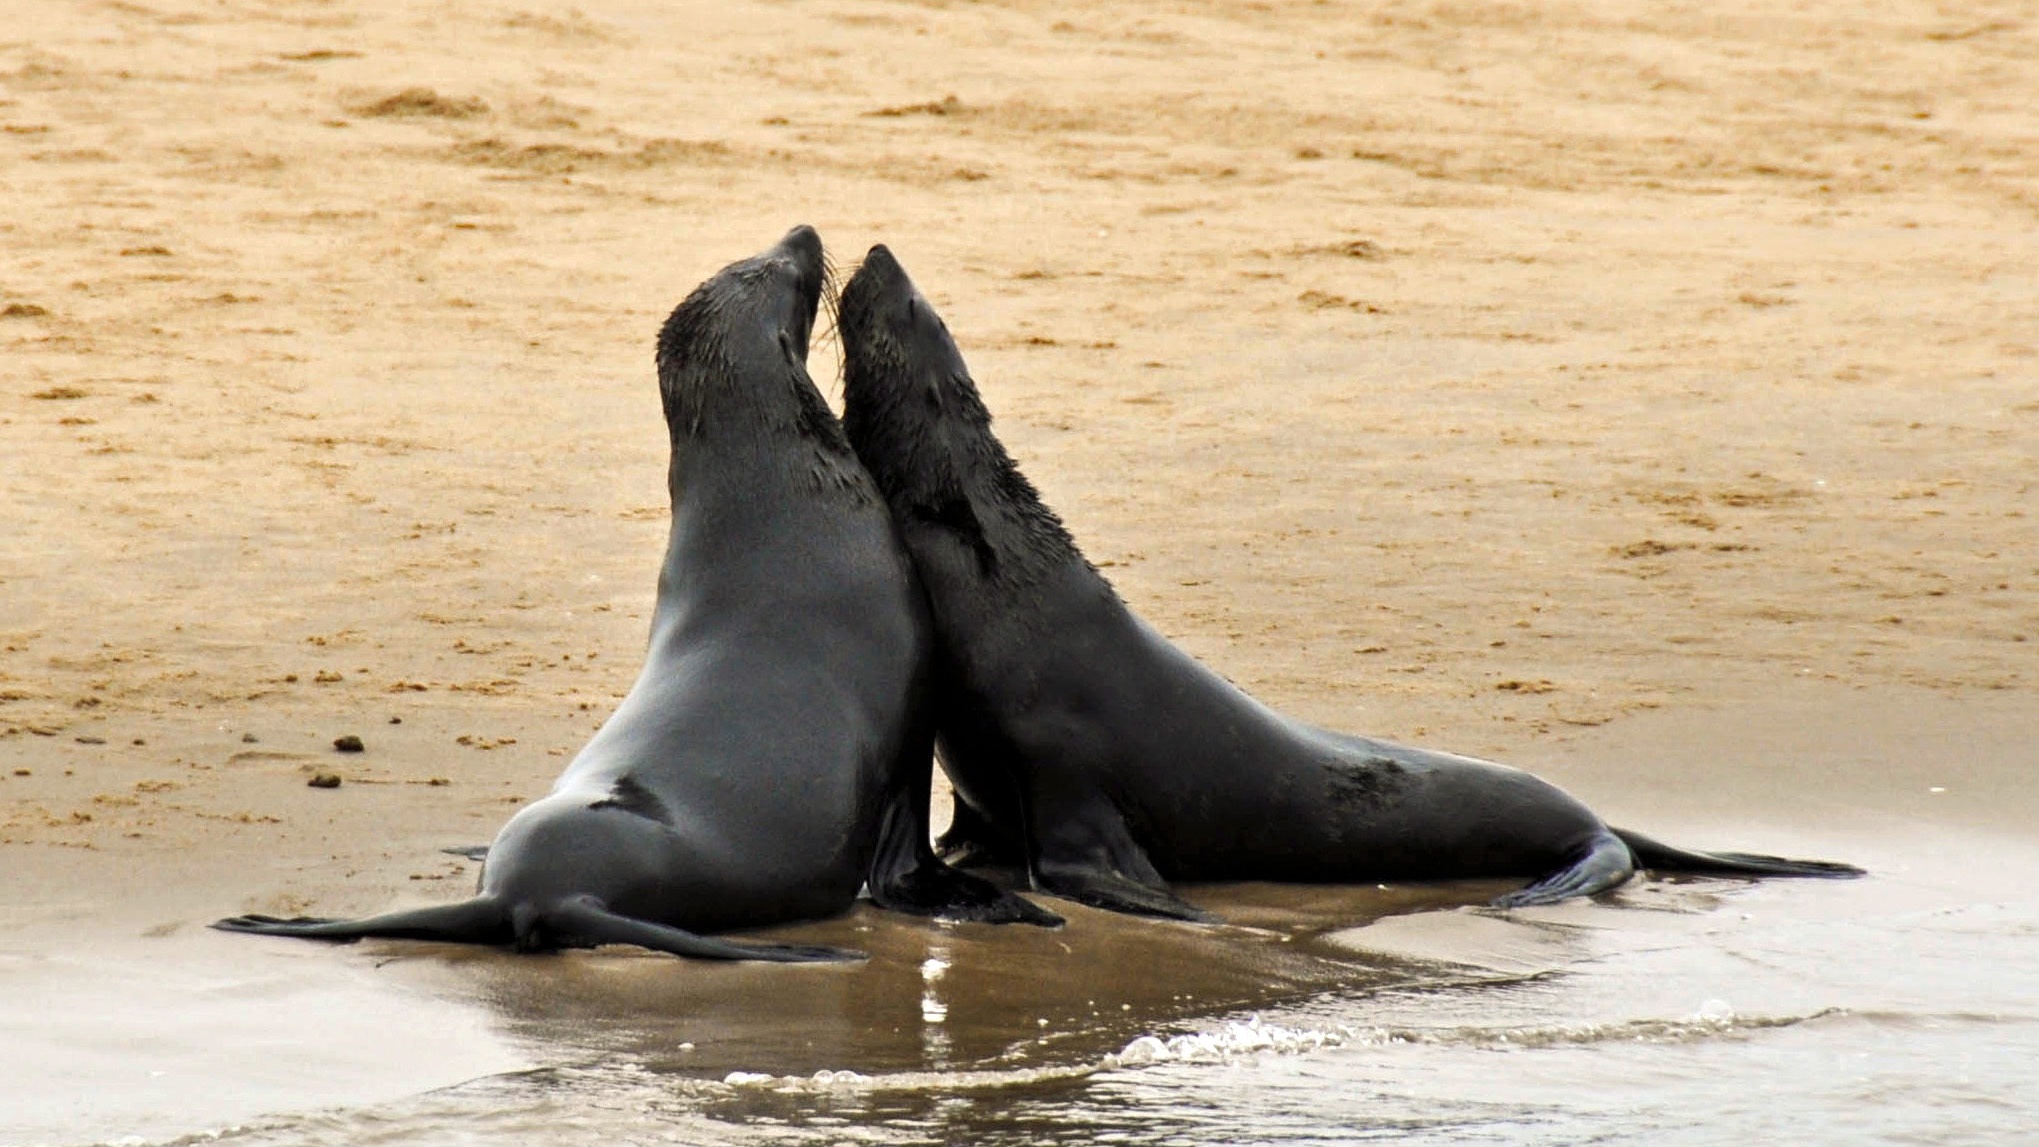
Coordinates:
(774, 754)
(1088, 748)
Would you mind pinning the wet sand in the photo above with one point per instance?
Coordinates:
(1872, 1010)
(1563, 387)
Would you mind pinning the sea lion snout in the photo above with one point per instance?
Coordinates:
(896, 332)
(804, 244)
(802, 253)
(800, 257)
(880, 296)
(881, 266)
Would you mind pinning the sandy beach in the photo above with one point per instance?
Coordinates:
(1525, 381)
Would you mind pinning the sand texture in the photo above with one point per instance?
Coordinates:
(1466, 373)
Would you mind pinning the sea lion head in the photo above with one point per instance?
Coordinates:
(909, 405)
(743, 330)
(915, 418)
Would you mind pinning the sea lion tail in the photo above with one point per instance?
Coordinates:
(1665, 858)
(482, 920)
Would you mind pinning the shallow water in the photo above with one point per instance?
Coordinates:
(1899, 1009)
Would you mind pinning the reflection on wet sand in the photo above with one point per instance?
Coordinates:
(948, 998)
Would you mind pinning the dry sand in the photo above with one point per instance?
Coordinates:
(1475, 374)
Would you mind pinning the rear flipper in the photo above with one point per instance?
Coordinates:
(1664, 858)
(481, 920)
(1614, 855)
(578, 923)
(907, 876)
(583, 922)
(1605, 863)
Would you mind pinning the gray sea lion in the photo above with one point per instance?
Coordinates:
(775, 752)
(1086, 747)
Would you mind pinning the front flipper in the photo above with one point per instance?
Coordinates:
(972, 841)
(1084, 851)
(1115, 893)
(1605, 864)
(907, 876)
(469, 851)
(583, 922)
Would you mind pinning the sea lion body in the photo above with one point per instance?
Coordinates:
(1087, 747)
(1213, 784)
(773, 755)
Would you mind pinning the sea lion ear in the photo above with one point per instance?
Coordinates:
(951, 511)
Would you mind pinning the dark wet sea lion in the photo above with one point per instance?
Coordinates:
(775, 752)
(1087, 747)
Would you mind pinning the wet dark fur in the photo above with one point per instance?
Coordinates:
(774, 755)
(1107, 761)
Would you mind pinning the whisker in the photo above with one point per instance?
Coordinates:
(830, 332)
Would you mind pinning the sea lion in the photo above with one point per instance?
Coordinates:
(1089, 749)
(775, 752)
